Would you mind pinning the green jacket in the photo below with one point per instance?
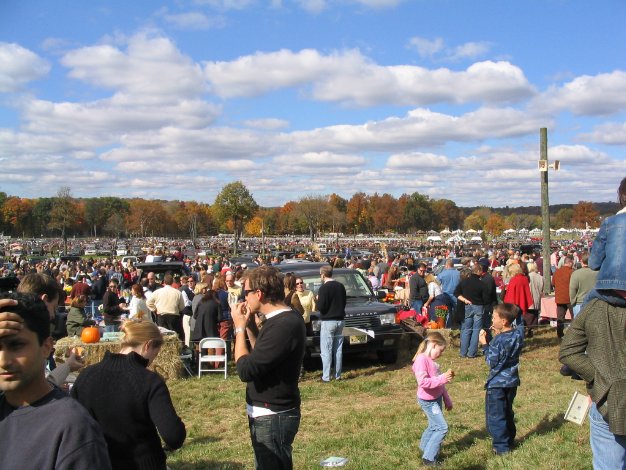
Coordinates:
(76, 321)
(600, 331)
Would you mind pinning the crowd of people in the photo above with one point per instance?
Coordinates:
(495, 299)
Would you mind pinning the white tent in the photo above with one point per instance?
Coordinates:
(510, 230)
(470, 231)
(433, 238)
(445, 231)
(563, 230)
(535, 231)
(455, 238)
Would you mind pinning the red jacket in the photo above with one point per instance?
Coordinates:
(561, 284)
(518, 292)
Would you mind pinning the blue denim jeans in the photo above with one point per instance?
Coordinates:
(272, 438)
(451, 312)
(331, 347)
(433, 435)
(470, 328)
(111, 328)
(500, 417)
(576, 310)
(417, 305)
(608, 449)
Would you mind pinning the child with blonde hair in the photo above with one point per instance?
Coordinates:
(431, 394)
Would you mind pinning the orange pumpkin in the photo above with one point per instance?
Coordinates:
(433, 325)
(91, 334)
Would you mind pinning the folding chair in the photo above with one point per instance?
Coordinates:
(205, 358)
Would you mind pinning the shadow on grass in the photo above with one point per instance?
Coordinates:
(541, 342)
(467, 441)
(547, 425)
(207, 465)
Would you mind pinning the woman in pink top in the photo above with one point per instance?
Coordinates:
(431, 392)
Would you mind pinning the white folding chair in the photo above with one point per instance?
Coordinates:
(205, 358)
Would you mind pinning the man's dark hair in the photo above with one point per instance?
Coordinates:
(422, 265)
(269, 281)
(33, 311)
(168, 279)
(507, 312)
(40, 284)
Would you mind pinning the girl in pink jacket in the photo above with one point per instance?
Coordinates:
(432, 394)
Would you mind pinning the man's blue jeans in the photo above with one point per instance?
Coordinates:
(433, 435)
(331, 346)
(500, 418)
(608, 449)
(451, 313)
(417, 305)
(470, 329)
(272, 438)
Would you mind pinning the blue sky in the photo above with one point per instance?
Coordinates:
(173, 100)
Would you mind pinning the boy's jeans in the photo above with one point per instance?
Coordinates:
(500, 417)
(608, 449)
(470, 329)
(436, 430)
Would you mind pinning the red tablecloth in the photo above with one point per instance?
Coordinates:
(548, 309)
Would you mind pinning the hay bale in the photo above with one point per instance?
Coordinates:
(167, 364)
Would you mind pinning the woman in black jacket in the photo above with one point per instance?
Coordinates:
(131, 403)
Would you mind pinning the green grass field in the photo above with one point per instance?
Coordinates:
(373, 419)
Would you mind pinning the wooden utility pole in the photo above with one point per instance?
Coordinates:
(545, 211)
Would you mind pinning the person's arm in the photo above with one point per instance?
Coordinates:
(423, 377)
(573, 289)
(574, 347)
(163, 414)
(241, 316)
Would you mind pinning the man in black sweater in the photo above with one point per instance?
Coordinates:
(271, 368)
(40, 426)
(418, 289)
(331, 302)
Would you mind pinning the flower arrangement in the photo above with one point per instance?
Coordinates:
(441, 311)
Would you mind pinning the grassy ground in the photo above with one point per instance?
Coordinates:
(372, 417)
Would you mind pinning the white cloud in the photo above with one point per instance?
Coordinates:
(426, 47)
(194, 20)
(226, 4)
(600, 94)
(134, 71)
(312, 6)
(267, 124)
(436, 48)
(470, 50)
(351, 78)
(320, 161)
(18, 66)
(418, 161)
(611, 133)
(419, 128)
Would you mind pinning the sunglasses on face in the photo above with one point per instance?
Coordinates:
(299, 283)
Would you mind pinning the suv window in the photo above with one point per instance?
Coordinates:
(354, 283)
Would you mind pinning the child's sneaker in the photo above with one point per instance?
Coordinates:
(430, 463)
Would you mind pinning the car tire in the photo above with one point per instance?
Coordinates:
(387, 356)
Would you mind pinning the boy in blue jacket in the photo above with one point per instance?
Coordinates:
(502, 356)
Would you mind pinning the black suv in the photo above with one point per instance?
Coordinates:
(370, 325)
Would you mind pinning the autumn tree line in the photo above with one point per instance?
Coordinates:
(235, 211)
